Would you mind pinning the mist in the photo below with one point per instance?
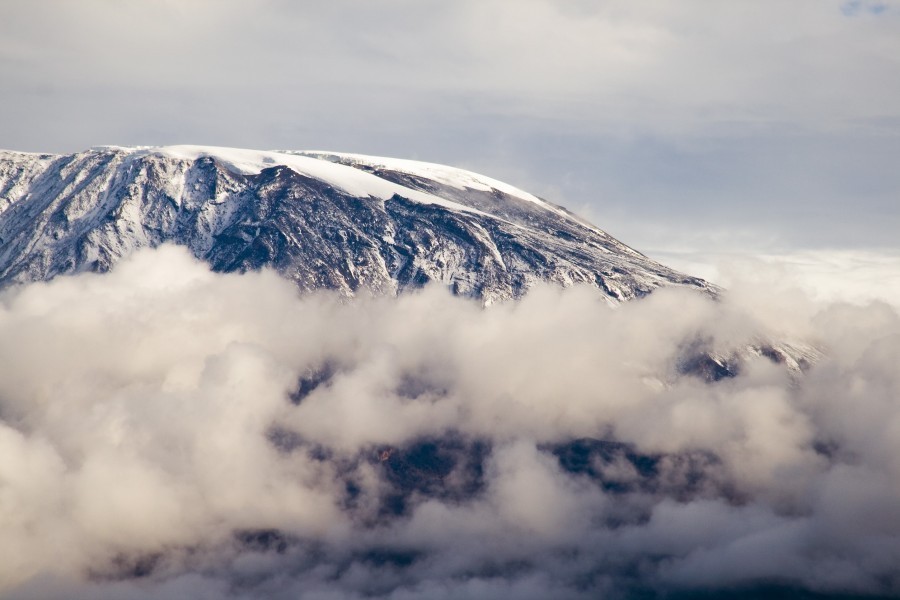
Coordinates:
(167, 431)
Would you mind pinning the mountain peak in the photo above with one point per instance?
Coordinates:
(322, 219)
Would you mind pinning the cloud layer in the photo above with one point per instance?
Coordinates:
(852, 276)
(168, 431)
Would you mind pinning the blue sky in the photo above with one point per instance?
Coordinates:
(856, 7)
(738, 127)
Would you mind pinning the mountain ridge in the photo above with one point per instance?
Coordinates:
(322, 219)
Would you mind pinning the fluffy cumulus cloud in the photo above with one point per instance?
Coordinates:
(167, 432)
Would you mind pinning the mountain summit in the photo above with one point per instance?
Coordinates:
(322, 219)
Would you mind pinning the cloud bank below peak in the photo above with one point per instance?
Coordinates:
(273, 443)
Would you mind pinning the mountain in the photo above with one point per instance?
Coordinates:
(349, 222)
(324, 220)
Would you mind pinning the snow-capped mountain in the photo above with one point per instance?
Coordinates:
(322, 219)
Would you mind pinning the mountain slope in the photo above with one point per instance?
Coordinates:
(324, 220)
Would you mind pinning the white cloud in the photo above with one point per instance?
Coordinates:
(643, 68)
(856, 276)
(150, 446)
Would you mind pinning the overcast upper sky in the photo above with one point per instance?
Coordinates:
(695, 125)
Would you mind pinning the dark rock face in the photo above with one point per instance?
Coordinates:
(450, 468)
(620, 469)
(389, 231)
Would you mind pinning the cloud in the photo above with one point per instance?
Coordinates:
(856, 276)
(714, 63)
(166, 430)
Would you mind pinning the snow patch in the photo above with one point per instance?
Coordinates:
(454, 177)
(347, 179)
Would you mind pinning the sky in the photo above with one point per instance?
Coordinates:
(694, 131)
